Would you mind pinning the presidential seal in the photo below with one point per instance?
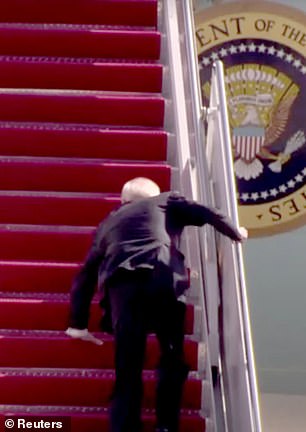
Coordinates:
(263, 49)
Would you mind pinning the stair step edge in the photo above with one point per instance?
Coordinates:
(75, 373)
(50, 297)
(84, 161)
(110, 94)
(60, 334)
(44, 409)
(81, 127)
(47, 229)
(62, 194)
(82, 60)
(46, 264)
(114, 28)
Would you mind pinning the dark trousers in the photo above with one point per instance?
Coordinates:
(143, 301)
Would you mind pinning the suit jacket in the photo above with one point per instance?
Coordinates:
(138, 235)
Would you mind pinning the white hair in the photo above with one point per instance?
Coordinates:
(139, 188)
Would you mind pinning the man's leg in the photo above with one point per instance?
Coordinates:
(172, 371)
(130, 341)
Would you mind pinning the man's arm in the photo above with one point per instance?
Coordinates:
(81, 295)
(224, 225)
(82, 291)
(193, 213)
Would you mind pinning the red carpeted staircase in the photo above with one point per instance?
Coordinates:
(81, 112)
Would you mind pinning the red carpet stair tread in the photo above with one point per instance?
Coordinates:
(62, 140)
(55, 208)
(111, 12)
(50, 311)
(53, 349)
(75, 175)
(78, 387)
(96, 419)
(81, 112)
(76, 74)
(46, 243)
(81, 107)
(78, 41)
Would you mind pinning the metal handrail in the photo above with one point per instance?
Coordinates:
(192, 160)
(204, 195)
(189, 127)
(206, 236)
(239, 265)
(208, 259)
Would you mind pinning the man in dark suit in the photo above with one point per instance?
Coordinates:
(136, 261)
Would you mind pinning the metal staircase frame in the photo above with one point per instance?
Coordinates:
(200, 151)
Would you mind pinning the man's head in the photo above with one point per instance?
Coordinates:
(139, 188)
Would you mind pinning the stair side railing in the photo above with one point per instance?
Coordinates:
(231, 404)
(237, 356)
